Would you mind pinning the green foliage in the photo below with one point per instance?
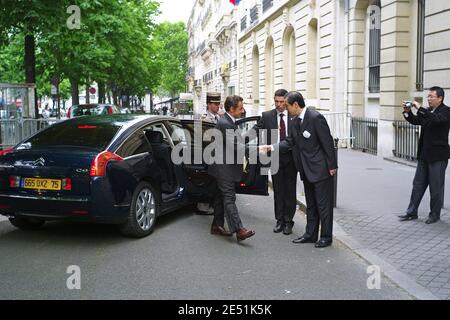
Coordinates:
(171, 40)
(118, 44)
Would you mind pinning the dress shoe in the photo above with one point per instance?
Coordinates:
(322, 243)
(243, 234)
(287, 229)
(220, 231)
(407, 217)
(303, 240)
(278, 228)
(431, 220)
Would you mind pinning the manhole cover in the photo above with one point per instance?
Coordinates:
(374, 169)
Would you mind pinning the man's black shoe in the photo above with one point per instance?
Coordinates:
(431, 220)
(407, 217)
(303, 240)
(287, 228)
(322, 244)
(278, 228)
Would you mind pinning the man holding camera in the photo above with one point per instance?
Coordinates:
(432, 154)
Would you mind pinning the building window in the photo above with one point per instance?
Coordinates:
(244, 23)
(253, 15)
(255, 75)
(267, 4)
(374, 47)
(420, 45)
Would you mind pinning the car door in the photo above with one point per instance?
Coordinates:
(253, 182)
(189, 149)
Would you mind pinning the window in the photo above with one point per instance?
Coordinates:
(420, 44)
(134, 145)
(179, 134)
(374, 47)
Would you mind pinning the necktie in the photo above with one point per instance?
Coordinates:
(282, 128)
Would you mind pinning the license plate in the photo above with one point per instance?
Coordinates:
(41, 184)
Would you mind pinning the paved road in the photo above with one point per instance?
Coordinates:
(181, 260)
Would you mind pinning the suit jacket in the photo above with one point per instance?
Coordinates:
(312, 146)
(233, 171)
(433, 140)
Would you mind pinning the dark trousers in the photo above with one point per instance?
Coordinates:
(285, 192)
(225, 206)
(428, 175)
(319, 209)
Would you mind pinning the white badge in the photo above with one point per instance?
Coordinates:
(306, 134)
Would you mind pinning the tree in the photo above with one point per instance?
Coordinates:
(171, 40)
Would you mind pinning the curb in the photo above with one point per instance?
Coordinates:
(399, 278)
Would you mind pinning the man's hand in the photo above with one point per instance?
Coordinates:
(333, 172)
(264, 149)
(416, 105)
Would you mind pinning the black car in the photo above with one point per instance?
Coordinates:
(111, 169)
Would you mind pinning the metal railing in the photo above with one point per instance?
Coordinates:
(365, 132)
(340, 127)
(406, 138)
(13, 131)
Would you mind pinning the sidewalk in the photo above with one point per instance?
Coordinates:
(372, 192)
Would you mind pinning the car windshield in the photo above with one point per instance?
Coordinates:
(89, 110)
(96, 136)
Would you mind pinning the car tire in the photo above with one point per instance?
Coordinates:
(26, 223)
(144, 210)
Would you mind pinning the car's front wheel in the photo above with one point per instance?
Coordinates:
(26, 223)
(143, 212)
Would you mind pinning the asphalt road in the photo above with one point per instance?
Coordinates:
(181, 260)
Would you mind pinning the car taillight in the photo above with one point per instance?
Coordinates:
(14, 181)
(6, 151)
(98, 167)
(109, 109)
(66, 184)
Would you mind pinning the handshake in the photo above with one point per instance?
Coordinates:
(264, 149)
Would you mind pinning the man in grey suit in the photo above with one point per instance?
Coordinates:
(313, 152)
(285, 180)
(227, 173)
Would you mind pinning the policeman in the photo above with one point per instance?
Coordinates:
(212, 114)
(213, 107)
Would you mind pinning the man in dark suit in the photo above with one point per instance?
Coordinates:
(432, 154)
(229, 170)
(285, 180)
(313, 152)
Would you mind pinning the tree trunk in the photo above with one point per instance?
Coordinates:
(75, 92)
(88, 100)
(30, 67)
(101, 92)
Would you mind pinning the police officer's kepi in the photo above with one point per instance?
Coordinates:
(213, 97)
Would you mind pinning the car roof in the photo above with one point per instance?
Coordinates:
(92, 105)
(124, 120)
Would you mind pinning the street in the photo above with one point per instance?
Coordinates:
(181, 260)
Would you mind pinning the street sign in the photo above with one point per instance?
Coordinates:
(54, 90)
(55, 81)
(92, 90)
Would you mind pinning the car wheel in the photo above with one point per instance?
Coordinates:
(26, 223)
(143, 212)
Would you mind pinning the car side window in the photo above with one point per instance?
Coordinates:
(179, 134)
(135, 144)
(158, 127)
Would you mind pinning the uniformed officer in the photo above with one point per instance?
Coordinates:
(212, 114)
(212, 107)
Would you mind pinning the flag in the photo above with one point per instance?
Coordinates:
(235, 2)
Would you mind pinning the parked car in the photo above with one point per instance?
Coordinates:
(93, 109)
(113, 169)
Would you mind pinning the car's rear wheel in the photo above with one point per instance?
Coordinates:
(26, 223)
(143, 212)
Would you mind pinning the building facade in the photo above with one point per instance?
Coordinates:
(358, 57)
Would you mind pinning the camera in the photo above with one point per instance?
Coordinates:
(408, 104)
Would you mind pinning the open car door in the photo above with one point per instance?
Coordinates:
(253, 182)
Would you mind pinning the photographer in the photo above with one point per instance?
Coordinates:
(432, 154)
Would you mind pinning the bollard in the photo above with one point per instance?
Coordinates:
(336, 142)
